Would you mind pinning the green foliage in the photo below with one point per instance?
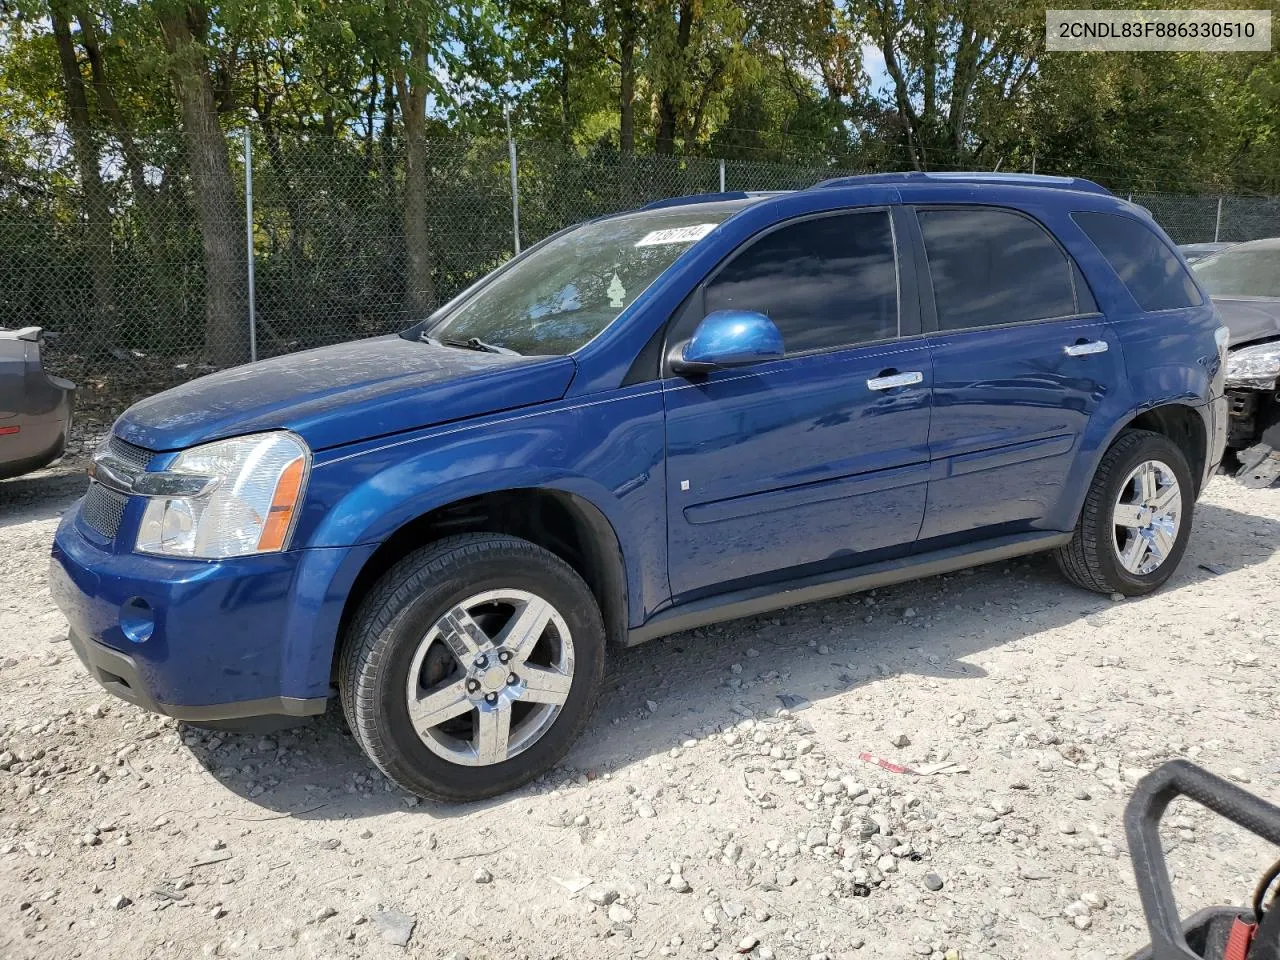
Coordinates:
(372, 118)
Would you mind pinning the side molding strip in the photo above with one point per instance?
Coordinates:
(823, 586)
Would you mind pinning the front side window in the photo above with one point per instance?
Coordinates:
(1151, 272)
(994, 267)
(561, 295)
(1246, 271)
(825, 282)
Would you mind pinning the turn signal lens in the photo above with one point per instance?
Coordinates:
(283, 504)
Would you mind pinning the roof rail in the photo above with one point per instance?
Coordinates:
(710, 198)
(977, 177)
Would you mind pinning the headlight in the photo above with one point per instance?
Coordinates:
(1255, 368)
(226, 499)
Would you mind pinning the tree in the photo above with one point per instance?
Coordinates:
(697, 49)
(556, 52)
(429, 52)
(947, 58)
(97, 206)
(623, 22)
(185, 27)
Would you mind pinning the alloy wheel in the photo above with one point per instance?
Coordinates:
(490, 677)
(1147, 516)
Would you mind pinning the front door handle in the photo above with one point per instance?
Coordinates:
(908, 379)
(1085, 348)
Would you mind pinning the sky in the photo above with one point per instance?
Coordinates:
(873, 63)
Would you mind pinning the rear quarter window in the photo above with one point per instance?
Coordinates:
(1145, 264)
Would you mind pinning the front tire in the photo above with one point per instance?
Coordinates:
(472, 666)
(1136, 519)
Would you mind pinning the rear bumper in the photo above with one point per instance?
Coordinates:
(118, 674)
(37, 442)
(1217, 418)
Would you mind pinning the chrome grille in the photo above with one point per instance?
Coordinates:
(102, 510)
(134, 457)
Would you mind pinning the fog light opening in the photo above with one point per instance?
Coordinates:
(137, 621)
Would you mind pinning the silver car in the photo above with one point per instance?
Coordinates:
(35, 406)
(1244, 282)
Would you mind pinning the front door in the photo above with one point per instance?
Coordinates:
(1022, 360)
(817, 460)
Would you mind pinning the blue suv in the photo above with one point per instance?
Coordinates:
(705, 409)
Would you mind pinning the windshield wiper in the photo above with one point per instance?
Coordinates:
(472, 343)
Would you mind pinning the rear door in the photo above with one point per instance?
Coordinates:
(817, 460)
(1022, 360)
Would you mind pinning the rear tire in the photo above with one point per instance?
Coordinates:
(1103, 555)
(472, 666)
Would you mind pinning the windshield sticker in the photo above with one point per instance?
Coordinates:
(617, 293)
(657, 238)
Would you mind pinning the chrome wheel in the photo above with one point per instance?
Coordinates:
(490, 677)
(1147, 516)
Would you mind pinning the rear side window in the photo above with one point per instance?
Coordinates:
(1154, 276)
(826, 282)
(993, 267)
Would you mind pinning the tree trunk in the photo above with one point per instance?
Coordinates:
(420, 291)
(111, 107)
(627, 97)
(664, 140)
(884, 23)
(216, 200)
(563, 88)
(668, 105)
(622, 21)
(97, 207)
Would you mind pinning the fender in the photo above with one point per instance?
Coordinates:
(1148, 341)
(1086, 464)
(608, 451)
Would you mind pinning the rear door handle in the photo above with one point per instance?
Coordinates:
(1085, 349)
(908, 379)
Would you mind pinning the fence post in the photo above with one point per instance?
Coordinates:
(1217, 222)
(722, 176)
(1033, 164)
(515, 181)
(248, 242)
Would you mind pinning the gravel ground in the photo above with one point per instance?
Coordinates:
(717, 805)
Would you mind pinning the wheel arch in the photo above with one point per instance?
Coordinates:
(561, 521)
(1181, 423)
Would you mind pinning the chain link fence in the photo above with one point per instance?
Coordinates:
(144, 278)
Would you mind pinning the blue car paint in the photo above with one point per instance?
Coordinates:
(335, 395)
(399, 428)
(733, 338)
(606, 451)
(824, 470)
(223, 631)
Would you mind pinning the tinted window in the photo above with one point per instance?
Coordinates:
(993, 266)
(1149, 269)
(1241, 272)
(825, 282)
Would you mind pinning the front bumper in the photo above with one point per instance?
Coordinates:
(203, 640)
(119, 674)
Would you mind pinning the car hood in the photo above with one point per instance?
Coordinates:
(1249, 320)
(345, 393)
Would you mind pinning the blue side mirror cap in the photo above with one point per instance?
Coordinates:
(729, 338)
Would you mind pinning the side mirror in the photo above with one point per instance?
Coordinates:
(729, 338)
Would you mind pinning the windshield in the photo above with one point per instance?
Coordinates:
(1247, 272)
(561, 295)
